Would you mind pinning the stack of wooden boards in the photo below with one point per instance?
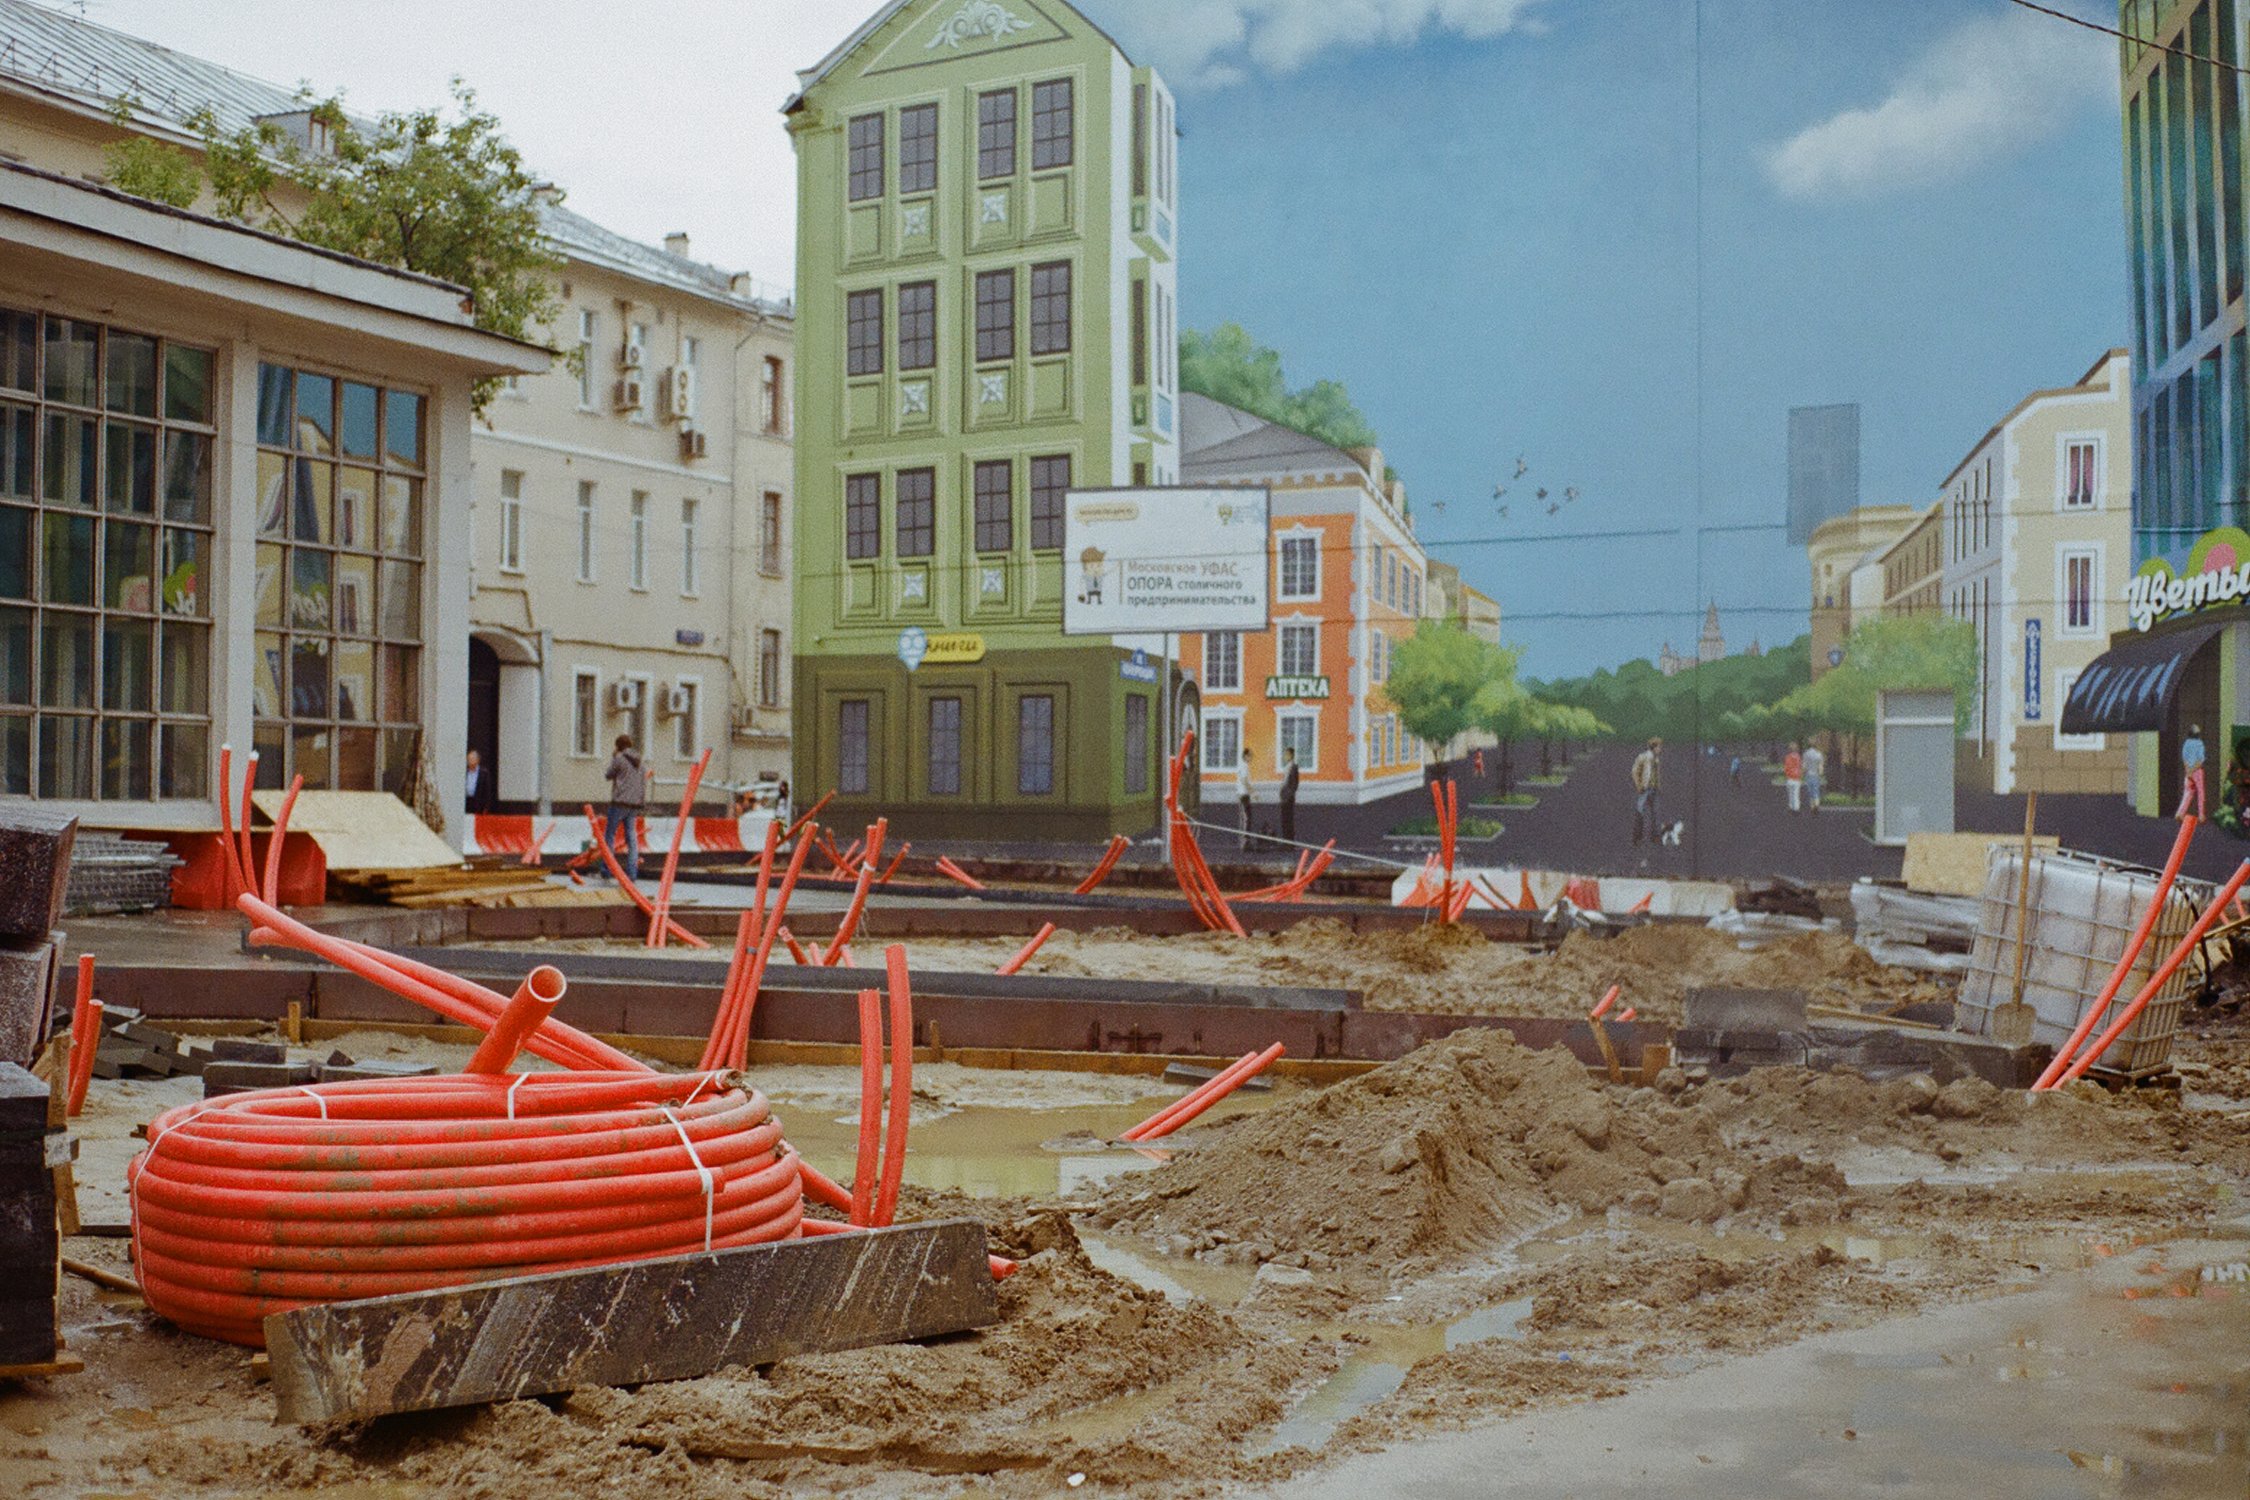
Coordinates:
(487, 880)
(378, 851)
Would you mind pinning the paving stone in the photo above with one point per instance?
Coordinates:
(27, 997)
(332, 1072)
(1726, 1008)
(35, 850)
(243, 1049)
(241, 1077)
(23, 1100)
(672, 1319)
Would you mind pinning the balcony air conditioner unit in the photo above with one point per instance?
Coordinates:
(630, 394)
(625, 697)
(630, 355)
(679, 393)
(694, 444)
(677, 701)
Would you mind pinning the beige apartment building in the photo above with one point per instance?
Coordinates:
(631, 531)
(1846, 583)
(2038, 545)
(1914, 567)
(627, 559)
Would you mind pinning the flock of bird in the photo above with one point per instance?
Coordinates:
(1500, 493)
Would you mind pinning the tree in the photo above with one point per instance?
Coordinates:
(441, 196)
(1229, 365)
(1923, 652)
(1435, 677)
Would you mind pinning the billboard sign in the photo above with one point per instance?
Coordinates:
(1140, 561)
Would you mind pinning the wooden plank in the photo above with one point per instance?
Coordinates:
(1953, 864)
(61, 1364)
(672, 1319)
(362, 830)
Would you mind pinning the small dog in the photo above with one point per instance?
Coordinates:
(1670, 838)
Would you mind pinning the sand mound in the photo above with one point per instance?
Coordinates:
(1458, 1148)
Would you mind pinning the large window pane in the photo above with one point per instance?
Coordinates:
(273, 562)
(402, 516)
(17, 524)
(128, 764)
(401, 602)
(312, 502)
(401, 700)
(917, 148)
(1035, 745)
(19, 349)
(73, 373)
(185, 682)
(129, 665)
(187, 477)
(16, 627)
(130, 385)
(271, 741)
(269, 679)
(15, 755)
(187, 384)
(183, 759)
(276, 390)
(18, 452)
(853, 750)
(69, 568)
(66, 755)
(66, 659)
(129, 567)
(129, 469)
(308, 677)
(308, 589)
(358, 420)
(315, 428)
(356, 766)
(186, 555)
(402, 428)
(273, 495)
(308, 755)
(355, 508)
(355, 594)
(945, 747)
(69, 462)
(355, 680)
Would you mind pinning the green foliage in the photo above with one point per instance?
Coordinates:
(1636, 701)
(1229, 365)
(439, 193)
(1436, 676)
(1425, 827)
(1926, 652)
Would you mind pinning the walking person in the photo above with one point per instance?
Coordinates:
(1648, 781)
(1734, 772)
(1816, 767)
(1289, 797)
(1793, 773)
(476, 786)
(1242, 793)
(628, 799)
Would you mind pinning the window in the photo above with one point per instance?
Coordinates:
(637, 525)
(1390, 579)
(1051, 124)
(1375, 644)
(511, 521)
(769, 669)
(863, 516)
(585, 531)
(996, 506)
(1298, 654)
(996, 134)
(588, 326)
(105, 677)
(2078, 459)
(2064, 682)
(945, 747)
(1300, 567)
(914, 526)
(1140, 140)
(769, 535)
(640, 342)
(691, 348)
(1222, 661)
(636, 717)
(1050, 308)
(863, 333)
(1140, 333)
(1299, 733)
(854, 775)
(866, 134)
(1136, 745)
(917, 148)
(917, 325)
(585, 711)
(1035, 745)
(1222, 743)
(684, 737)
(2080, 588)
(769, 394)
(688, 510)
(996, 315)
(336, 682)
(1050, 481)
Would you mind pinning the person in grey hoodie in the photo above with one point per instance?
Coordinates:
(628, 799)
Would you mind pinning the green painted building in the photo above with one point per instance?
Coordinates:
(986, 318)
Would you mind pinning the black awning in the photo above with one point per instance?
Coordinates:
(2131, 686)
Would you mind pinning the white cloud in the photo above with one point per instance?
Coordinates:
(1989, 88)
(1211, 43)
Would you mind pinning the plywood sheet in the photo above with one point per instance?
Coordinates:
(1952, 864)
(362, 830)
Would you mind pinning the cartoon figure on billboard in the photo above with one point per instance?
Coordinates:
(1090, 568)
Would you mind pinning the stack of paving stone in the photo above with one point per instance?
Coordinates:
(110, 874)
(30, 1233)
(35, 850)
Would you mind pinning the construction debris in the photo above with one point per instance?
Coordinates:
(1910, 930)
(35, 855)
(30, 1233)
(629, 1324)
(110, 873)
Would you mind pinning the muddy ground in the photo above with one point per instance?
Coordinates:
(1472, 1231)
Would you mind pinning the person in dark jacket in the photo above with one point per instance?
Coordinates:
(628, 799)
(476, 785)
(1289, 776)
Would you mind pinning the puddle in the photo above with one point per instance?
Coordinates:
(1377, 1370)
(1179, 1278)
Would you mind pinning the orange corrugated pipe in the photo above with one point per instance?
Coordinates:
(617, 873)
(1023, 954)
(273, 841)
(249, 860)
(2100, 1007)
(237, 882)
(870, 1108)
(535, 1000)
(901, 1101)
(1608, 1000)
(1118, 844)
(672, 856)
(85, 1037)
(2132, 1012)
(1186, 1110)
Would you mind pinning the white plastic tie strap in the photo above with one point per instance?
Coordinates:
(520, 1077)
(317, 1098)
(700, 1085)
(710, 1199)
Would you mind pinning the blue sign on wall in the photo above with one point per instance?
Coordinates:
(1137, 668)
(2031, 672)
(913, 645)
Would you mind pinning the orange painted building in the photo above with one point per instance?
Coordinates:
(1347, 585)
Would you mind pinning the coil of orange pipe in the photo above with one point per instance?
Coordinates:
(261, 1202)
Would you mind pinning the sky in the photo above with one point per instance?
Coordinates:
(1613, 239)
